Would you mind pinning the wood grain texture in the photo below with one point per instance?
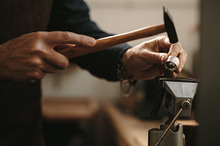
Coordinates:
(71, 51)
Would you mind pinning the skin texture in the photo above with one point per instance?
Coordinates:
(30, 56)
(146, 60)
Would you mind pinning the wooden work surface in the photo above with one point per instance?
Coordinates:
(131, 131)
(59, 109)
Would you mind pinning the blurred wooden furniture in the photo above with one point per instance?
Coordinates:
(68, 109)
(130, 131)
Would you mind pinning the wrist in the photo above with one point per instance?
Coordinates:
(125, 63)
(126, 80)
(123, 66)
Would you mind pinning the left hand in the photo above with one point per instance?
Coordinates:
(146, 60)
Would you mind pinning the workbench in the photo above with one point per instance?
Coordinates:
(66, 120)
(68, 109)
(117, 128)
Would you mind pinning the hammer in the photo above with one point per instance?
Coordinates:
(71, 51)
(171, 63)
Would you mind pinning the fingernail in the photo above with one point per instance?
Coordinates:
(91, 41)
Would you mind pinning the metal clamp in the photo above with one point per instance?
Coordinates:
(184, 105)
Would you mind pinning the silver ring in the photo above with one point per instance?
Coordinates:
(172, 62)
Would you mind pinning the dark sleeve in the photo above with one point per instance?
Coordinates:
(73, 15)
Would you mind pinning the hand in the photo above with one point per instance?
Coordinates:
(146, 60)
(30, 56)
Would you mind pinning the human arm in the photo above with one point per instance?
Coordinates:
(30, 56)
(139, 61)
(73, 15)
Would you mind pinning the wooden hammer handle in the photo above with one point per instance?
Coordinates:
(71, 51)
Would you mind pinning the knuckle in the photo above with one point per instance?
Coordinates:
(38, 45)
(39, 48)
(67, 35)
(37, 75)
(40, 51)
(36, 61)
(34, 75)
(38, 34)
(82, 39)
(163, 57)
(163, 37)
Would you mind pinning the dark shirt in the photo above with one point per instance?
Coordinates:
(20, 110)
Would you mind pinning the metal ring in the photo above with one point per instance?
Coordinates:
(172, 62)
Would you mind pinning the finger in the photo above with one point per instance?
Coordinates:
(56, 59)
(155, 57)
(60, 37)
(174, 75)
(48, 68)
(156, 70)
(35, 75)
(175, 49)
(182, 60)
(163, 44)
(159, 44)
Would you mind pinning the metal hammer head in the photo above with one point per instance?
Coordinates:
(169, 26)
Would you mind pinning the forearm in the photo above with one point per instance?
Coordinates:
(103, 64)
(74, 16)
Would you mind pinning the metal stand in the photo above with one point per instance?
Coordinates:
(171, 132)
(178, 95)
(173, 137)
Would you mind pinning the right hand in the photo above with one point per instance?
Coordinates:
(146, 60)
(30, 56)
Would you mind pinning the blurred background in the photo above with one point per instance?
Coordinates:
(118, 16)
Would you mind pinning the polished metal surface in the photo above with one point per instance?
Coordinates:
(172, 63)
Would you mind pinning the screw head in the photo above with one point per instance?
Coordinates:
(185, 104)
